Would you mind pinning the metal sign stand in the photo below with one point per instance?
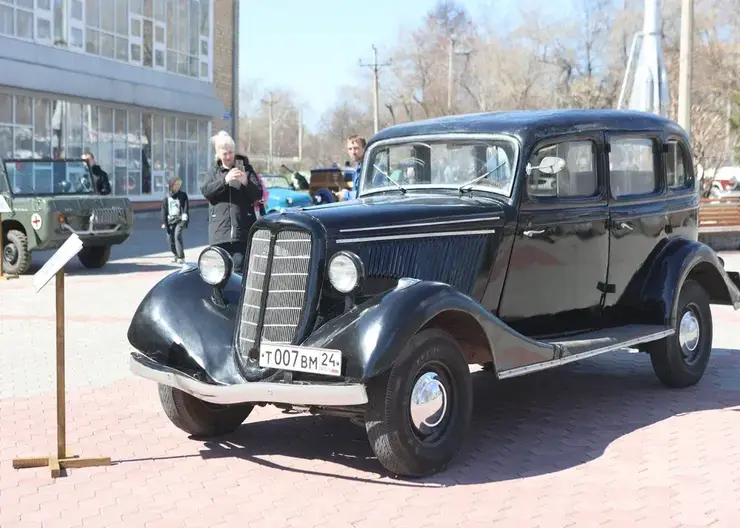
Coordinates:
(4, 208)
(62, 459)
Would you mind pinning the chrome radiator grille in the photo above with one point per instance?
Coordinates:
(287, 267)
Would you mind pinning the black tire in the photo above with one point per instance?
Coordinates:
(401, 447)
(678, 366)
(16, 257)
(198, 417)
(94, 257)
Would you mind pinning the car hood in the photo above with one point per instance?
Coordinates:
(405, 214)
(81, 204)
(281, 193)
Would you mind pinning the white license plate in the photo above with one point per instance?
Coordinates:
(301, 359)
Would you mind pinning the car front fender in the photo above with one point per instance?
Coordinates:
(372, 334)
(178, 324)
(680, 260)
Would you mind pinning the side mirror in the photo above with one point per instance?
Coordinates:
(548, 165)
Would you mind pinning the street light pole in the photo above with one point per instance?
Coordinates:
(684, 79)
(450, 55)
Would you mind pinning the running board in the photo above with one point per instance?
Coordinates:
(582, 346)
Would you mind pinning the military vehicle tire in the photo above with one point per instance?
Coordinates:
(16, 257)
(198, 417)
(93, 257)
(419, 414)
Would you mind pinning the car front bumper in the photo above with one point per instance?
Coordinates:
(314, 394)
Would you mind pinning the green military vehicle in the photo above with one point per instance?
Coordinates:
(49, 199)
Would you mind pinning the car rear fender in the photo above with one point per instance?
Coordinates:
(681, 260)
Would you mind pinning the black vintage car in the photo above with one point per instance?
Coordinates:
(519, 241)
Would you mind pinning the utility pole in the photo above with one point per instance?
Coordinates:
(684, 74)
(375, 67)
(450, 56)
(270, 102)
(450, 69)
(300, 135)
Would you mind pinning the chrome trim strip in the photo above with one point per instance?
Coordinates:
(415, 235)
(90, 230)
(423, 224)
(546, 365)
(250, 392)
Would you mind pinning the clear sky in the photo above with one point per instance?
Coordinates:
(312, 47)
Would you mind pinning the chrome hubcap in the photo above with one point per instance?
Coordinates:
(428, 402)
(688, 332)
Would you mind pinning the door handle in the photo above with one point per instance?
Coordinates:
(623, 225)
(532, 232)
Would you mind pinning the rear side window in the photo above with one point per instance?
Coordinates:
(576, 179)
(676, 175)
(632, 167)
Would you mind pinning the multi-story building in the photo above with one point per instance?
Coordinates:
(142, 84)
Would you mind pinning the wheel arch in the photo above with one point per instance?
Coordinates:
(468, 333)
(11, 224)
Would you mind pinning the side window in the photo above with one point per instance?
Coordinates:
(576, 179)
(675, 166)
(632, 167)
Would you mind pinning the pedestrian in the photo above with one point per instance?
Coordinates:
(175, 207)
(356, 150)
(101, 182)
(231, 188)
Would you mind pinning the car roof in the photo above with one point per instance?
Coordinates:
(528, 125)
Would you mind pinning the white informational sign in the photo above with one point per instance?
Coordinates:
(64, 254)
(4, 207)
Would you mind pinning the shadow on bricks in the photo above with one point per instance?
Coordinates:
(522, 427)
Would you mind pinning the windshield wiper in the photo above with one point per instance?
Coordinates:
(479, 178)
(400, 188)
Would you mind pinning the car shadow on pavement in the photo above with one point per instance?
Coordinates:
(522, 427)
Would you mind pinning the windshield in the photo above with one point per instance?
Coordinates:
(275, 181)
(34, 177)
(441, 163)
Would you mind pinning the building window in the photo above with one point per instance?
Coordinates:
(138, 150)
(16, 18)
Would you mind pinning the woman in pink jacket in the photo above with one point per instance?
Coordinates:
(259, 205)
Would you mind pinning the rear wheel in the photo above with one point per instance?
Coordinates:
(93, 257)
(198, 417)
(680, 360)
(419, 414)
(16, 257)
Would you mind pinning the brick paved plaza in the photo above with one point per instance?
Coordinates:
(599, 443)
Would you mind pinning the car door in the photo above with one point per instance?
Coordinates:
(638, 219)
(558, 265)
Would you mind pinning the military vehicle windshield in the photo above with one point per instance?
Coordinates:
(48, 177)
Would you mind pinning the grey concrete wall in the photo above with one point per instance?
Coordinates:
(45, 69)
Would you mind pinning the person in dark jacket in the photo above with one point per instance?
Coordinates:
(99, 176)
(231, 188)
(175, 207)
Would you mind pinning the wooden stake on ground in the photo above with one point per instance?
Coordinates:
(61, 459)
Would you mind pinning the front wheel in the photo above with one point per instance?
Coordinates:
(418, 415)
(680, 360)
(16, 259)
(93, 257)
(198, 417)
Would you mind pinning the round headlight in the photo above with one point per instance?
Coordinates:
(289, 200)
(345, 271)
(215, 265)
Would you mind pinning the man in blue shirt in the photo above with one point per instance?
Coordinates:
(356, 150)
